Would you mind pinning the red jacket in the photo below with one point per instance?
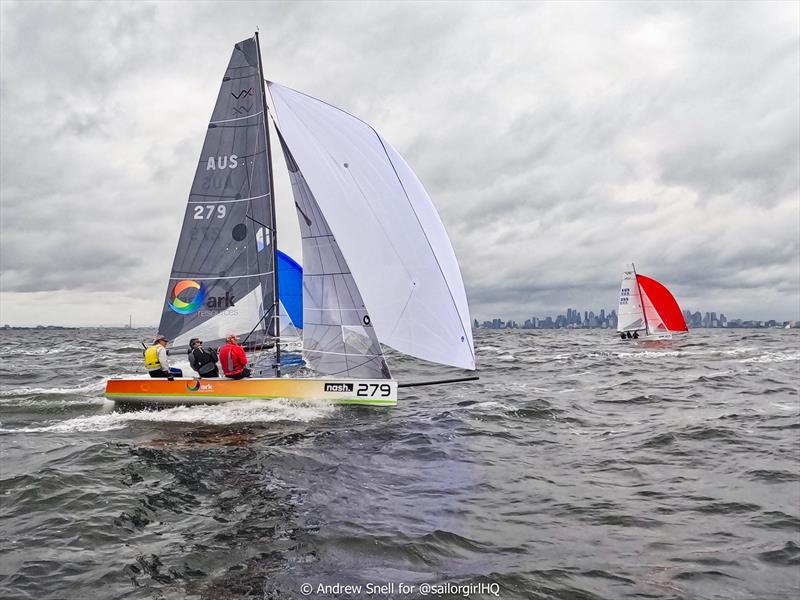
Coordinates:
(232, 358)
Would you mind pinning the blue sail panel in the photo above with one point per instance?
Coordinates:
(290, 290)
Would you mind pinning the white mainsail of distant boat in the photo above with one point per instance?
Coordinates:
(378, 266)
(648, 306)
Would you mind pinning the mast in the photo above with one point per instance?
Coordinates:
(273, 229)
(641, 298)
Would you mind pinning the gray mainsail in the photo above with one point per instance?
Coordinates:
(222, 276)
(338, 338)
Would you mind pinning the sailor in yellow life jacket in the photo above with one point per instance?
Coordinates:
(156, 361)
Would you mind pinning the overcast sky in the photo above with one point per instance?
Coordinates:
(558, 141)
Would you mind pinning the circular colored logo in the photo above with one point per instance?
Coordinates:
(187, 297)
(194, 386)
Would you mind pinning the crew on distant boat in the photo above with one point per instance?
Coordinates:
(635, 335)
(233, 359)
(156, 361)
(628, 334)
(203, 360)
(622, 335)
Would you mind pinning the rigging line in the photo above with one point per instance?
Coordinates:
(258, 222)
(221, 196)
(238, 77)
(342, 353)
(229, 277)
(264, 316)
(332, 309)
(305, 217)
(227, 201)
(273, 113)
(338, 326)
(352, 368)
(233, 127)
(236, 119)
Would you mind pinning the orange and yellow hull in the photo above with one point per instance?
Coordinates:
(183, 391)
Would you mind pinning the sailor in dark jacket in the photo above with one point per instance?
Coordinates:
(203, 360)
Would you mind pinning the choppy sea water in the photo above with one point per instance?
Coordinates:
(579, 466)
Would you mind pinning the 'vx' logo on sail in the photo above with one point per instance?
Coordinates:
(243, 93)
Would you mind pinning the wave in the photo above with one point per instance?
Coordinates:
(773, 357)
(84, 388)
(221, 414)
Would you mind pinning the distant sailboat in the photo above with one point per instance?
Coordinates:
(378, 266)
(647, 306)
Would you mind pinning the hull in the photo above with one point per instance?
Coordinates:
(656, 337)
(187, 391)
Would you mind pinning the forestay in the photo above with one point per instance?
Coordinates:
(222, 275)
(386, 226)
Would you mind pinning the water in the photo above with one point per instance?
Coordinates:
(579, 466)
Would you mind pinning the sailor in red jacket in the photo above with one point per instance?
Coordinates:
(233, 359)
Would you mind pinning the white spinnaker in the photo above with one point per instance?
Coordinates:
(239, 319)
(655, 324)
(386, 226)
(630, 316)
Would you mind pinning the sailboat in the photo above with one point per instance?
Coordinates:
(647, 306)
(378, 266)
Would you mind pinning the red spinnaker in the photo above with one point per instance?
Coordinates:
(664, 303)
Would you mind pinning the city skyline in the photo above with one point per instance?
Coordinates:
(607, 319)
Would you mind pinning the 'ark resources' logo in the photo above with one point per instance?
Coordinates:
(196, 386)
(181, 299)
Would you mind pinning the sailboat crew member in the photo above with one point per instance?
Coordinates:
(203, 360)
(233, 359)
(156, 361)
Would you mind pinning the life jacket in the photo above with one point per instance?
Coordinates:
(204, 361)
(232, 358)
(151, 362)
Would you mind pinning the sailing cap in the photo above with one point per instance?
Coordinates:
(159, 338)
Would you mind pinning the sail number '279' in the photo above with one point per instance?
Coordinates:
(207, 211)
(370, 389)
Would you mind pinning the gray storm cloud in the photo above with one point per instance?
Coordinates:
(559, 141)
